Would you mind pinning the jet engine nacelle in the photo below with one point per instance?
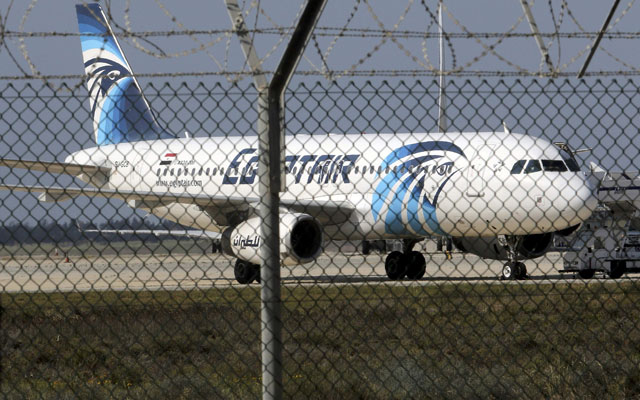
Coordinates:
(531, 246)
(300, 239)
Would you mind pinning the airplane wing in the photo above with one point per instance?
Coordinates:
(326, 211)
(139, 197)
(198, 234)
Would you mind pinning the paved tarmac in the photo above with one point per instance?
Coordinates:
(181, 271)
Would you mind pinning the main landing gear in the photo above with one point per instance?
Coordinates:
(407, 263)
(513, 269)
(245, 272)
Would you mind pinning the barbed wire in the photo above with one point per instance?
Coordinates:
(375, 38)
(331, 31)
(416, 73)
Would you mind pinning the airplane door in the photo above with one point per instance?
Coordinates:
(477, 170)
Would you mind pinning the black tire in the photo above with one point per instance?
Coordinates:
(243, 271)
(366, 247)
(395, 265)
(508, 271)
(416, 265)
(618, 268)
(256, 273)
(521, 271)
(586, 273)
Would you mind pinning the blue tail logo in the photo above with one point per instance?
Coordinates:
(119, 110)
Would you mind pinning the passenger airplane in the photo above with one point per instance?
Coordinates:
(500, 195)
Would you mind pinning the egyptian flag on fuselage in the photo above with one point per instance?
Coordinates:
(168, 158)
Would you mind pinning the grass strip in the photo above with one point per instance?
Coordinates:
(569, 340)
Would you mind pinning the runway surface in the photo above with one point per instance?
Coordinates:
(182, 271)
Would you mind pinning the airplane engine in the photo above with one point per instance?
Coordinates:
(531, 246)
(300, 239)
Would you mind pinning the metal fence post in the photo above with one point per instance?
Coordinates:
(270, 311)
(272, 181)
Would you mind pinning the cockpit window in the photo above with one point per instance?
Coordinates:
(517, 167)
(572, 164)
(533, 166)
(554, 166)
(570, 160)
(546, 165)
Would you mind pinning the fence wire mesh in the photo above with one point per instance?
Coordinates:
(492, 261)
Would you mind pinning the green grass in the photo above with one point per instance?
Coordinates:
(562, 341)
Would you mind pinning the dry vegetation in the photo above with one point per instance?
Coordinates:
(374, 341)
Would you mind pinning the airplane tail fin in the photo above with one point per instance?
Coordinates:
(119, 110)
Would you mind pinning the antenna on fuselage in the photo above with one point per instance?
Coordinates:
(442, 117)
(506, 128)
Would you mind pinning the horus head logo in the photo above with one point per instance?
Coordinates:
(401, 197)
(104, 76)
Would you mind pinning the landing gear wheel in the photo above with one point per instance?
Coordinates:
(509, 271)
(366, 247)
(520, 271)
(244, 271)
(416, 265)
(618, 268)
(586, 273)
(396, 265)
(256, 273)
(513, 269)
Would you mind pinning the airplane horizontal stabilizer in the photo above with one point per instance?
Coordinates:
(55, 167)
(97, 175)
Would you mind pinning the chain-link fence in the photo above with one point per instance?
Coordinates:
(478, 263)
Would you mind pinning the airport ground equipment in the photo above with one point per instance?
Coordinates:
(609, 241)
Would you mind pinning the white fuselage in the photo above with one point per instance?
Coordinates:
(401, 185)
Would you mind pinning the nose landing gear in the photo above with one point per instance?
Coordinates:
(513, 269)
(410, 264)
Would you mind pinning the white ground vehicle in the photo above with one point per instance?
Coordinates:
(609, 241)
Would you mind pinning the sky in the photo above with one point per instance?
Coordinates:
(584, 117)
(60, 55)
